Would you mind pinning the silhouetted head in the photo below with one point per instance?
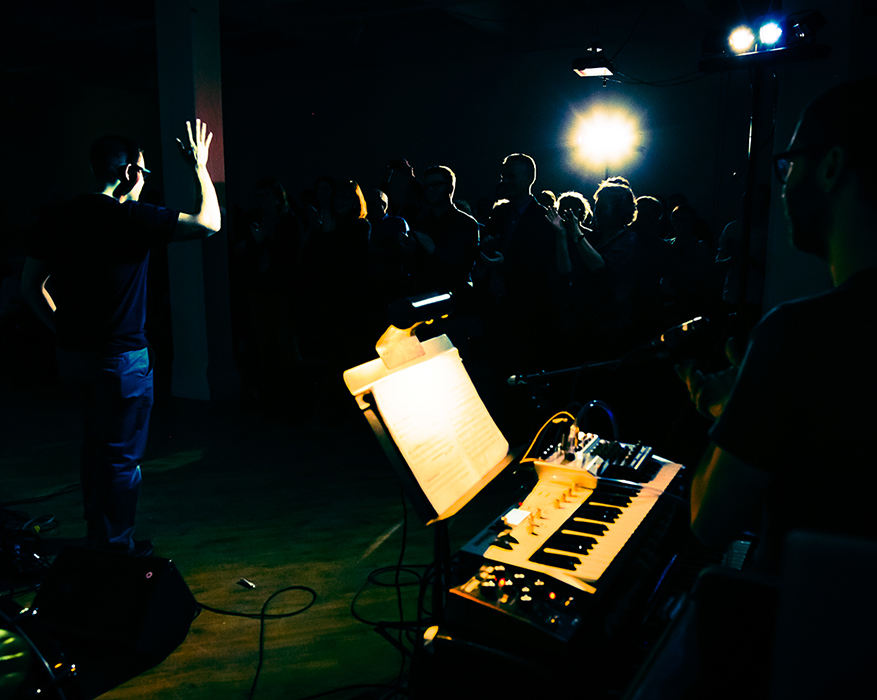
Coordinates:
(376, 203)
(547, 199)
(323, 188)
(684, 219)
(614, 205)
(649, 212)
(576, 204)
(348, 202)
(833, 146)
(439, 184)
(517, 175)
(118, 159)
(271, 196)
(618, 180)
(109, 154)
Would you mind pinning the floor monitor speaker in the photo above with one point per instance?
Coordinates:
(138, 605)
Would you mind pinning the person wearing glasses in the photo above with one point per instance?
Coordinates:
(793, 418)
(85, 278)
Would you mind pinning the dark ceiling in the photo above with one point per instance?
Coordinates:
(52, 48)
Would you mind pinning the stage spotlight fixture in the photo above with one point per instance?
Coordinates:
(593, 63)
(741, 39)
(770, 33)
(604, 138)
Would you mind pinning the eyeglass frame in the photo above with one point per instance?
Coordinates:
(782, 171)
(146, 173)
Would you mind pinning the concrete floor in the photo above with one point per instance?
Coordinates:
(229, 495)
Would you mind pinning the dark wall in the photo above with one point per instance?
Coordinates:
(348, 104)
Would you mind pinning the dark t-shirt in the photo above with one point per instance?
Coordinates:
(528, 242)
(803, 408)
(455, 235)
(386, 272)
(624, 295)
(534, 294)
(97, 250)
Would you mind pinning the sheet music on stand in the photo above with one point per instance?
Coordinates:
(433, 426)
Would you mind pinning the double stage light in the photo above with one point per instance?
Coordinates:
(744, 39)
(774, 32)
(770, 41)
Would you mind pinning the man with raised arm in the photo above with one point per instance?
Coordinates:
(85, 278)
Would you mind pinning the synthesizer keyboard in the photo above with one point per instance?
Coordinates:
(569, 531)
(563, 576)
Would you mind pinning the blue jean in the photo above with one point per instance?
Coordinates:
(116, 393)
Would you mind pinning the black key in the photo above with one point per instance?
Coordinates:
(574, 544)
(610, 499)
(605, 514)
(614, 471)
(585, 527)
(611, 488)
(558, 561)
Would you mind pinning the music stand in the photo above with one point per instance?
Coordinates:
(434, 429)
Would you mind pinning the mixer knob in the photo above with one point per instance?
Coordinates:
(489, 590)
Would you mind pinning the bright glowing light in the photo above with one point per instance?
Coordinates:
(741, 39)
(770, 33)
(430, 300)
(606, 138)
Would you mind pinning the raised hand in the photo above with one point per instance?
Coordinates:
(207, 217)
(195, 154)
(563, 222)
(556, 220)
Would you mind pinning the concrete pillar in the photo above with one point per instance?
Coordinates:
(189, 82)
